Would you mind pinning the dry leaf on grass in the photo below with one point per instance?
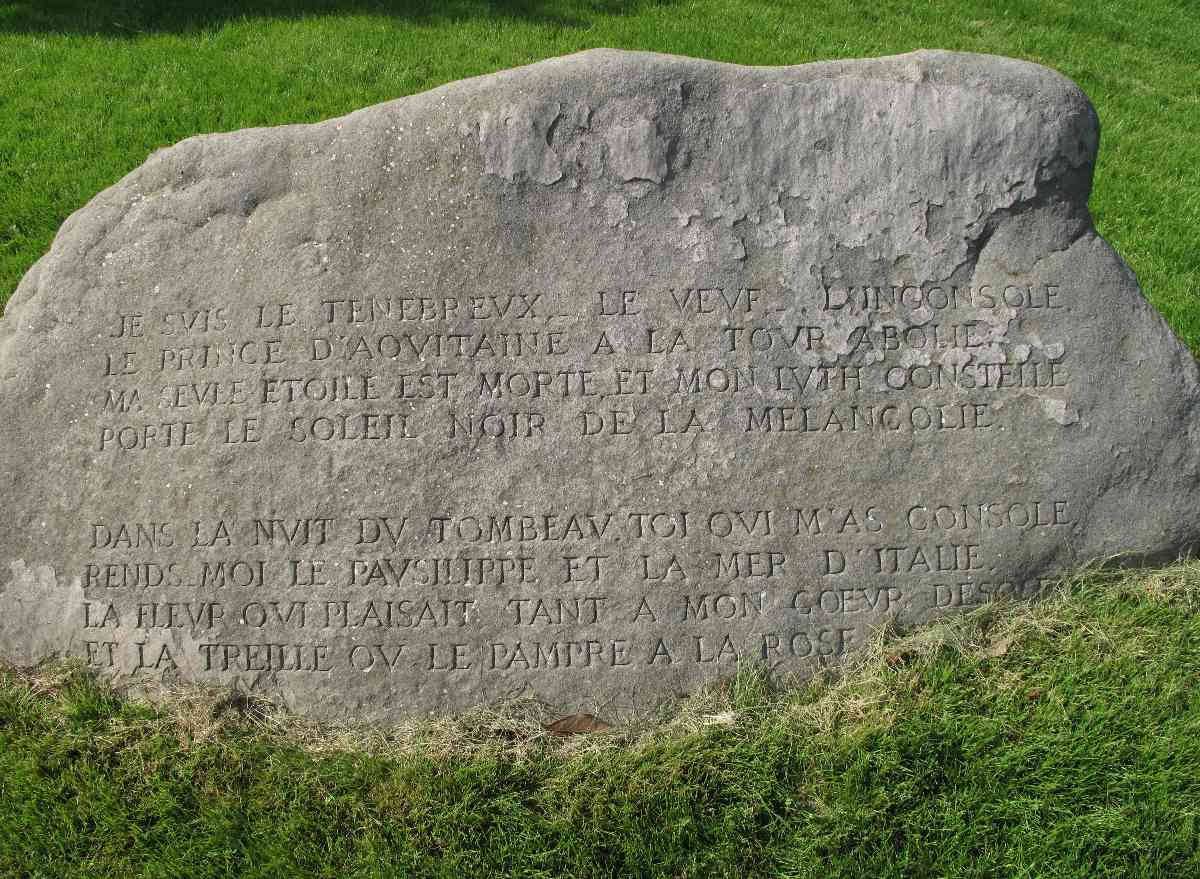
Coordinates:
(999, 648)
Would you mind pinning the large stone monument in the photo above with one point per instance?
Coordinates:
(590, 379)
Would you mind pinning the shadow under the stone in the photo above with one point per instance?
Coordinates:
(132, 18)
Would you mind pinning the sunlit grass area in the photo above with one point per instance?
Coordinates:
(1056, 739)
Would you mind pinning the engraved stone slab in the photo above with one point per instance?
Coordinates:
(590, 379)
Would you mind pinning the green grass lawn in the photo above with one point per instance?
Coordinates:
(1057, 741)
(1053, 741)
(89, 87)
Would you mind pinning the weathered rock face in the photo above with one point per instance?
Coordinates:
(591, 379)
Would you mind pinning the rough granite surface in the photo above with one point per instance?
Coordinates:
(588, 380)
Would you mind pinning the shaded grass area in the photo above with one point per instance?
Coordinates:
(1054, 740)
(131, 18)
(88, 88)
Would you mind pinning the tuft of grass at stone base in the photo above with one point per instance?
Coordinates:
(1054, 739)
(88, 88)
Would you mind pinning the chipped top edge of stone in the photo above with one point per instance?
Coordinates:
(917, 65)
(1016, 77)
(998, 74)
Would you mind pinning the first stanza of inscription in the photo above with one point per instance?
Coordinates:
(283, 353)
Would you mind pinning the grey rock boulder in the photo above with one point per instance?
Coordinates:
(588, 380)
